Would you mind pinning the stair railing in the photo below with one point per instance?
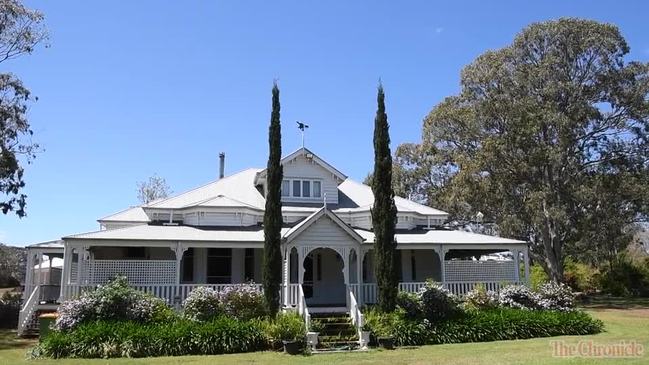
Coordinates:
(355, 313)
(302, 308)
(27, 312)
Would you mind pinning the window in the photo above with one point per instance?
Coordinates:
(306, 188)
(219, 266)
(249, 264)
(187, 264)
(317, 189)
(286, 187)
(302, 188)
(296, 188)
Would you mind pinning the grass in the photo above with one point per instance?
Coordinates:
(624, 320)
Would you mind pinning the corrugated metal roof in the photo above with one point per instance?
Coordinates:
(239, 186)
(224, 202)
(256, 235)
(442, 237)
(47, 244)
(363, 197)
(175, 233)
(132, 214)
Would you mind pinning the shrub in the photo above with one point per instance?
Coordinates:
(286, 326)
(511, 324)
(113, 301)
(580, 277)
(202, 304)
(623, 278)
(538, 276)
(397, 324)
(437, 303)
(555, 296)
(243, 302)
(105, 339)
(480, 298)
(411, 304)
(9, 309)
(518, 296)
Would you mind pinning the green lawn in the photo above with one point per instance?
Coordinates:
(624, 320)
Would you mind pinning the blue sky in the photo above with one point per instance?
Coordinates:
(132, 88)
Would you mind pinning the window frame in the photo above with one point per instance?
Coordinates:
(297, 189)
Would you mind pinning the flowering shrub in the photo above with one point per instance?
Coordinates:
(437, 302)
(480, 298)
(202, 303)
(518, 296)
(555, 296)
(113, 301)
(411, 304)
(243, 302)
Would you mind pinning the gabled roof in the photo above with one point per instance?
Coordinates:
(361, 198)
(238, 187)
(305, 151)
(308, 221)
(132, 214)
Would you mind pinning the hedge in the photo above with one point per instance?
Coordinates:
(481, 326)
(512, 324)
(105, 339)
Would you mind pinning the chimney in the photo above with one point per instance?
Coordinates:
(221, 165)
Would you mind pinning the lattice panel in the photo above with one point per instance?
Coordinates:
(479, 270)
(137, 271)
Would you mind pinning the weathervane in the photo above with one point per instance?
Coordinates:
(302, 126)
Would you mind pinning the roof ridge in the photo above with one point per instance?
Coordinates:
(121, 211)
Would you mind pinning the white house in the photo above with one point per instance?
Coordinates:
(213, 236)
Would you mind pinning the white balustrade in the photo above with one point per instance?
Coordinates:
(456, 287)
(355, 313)
(171, 293)
(302, 308)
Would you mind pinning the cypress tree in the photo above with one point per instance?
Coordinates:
(384, 212)
(272, 264)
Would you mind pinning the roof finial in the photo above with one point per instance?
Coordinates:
(302, 126)
(325, 200)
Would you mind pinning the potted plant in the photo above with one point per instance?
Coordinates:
(312, 335)
(292, 346)
(384, 337)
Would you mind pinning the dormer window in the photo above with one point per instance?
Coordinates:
(302, 188)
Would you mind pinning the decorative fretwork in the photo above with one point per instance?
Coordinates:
(137, 271)
(479, 270)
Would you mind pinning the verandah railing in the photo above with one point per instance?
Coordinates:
(173, 294)
(369, 290)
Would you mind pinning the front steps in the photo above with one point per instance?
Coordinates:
(338, 334)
